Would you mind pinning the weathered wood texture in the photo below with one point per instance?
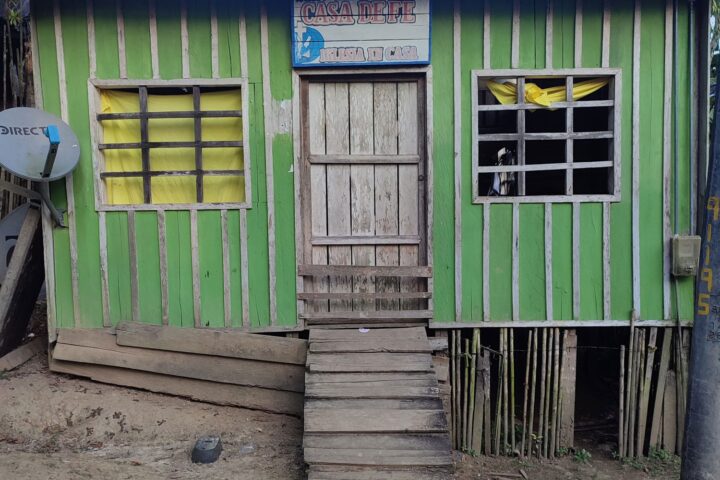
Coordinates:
(370, 405)
(220, 342)
(22, 354)
(22, 283)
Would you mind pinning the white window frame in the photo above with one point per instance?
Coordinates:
(95, 87)
(614, 102)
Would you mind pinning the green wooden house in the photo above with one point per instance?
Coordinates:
(225, 184)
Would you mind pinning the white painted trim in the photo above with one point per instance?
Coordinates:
(297, 159)
(214, 48)
(457, 105)
(122, 58)
(486, 35)
(549, 34)
(162, 248)
(515, 42)
(516, 262)
(269, 164)
(227, 292)
(636, 161)
(607, 289)
(62, 80)
(122, 83)
(606, 32)
(154, 57)
(576, 260)
(92, 56)
(195, 258)
(549, 285)
(667, 155)
(244, 275)
(134, 275)
(430, 170)
(578, 32)
(184, 40)
(486, 262)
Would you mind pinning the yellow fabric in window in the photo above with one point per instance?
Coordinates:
(173, 189)
(506, 93)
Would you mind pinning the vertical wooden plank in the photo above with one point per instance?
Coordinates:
(184, 39)
(269, 163)
(195, 254)
(154, 57)
(121, 38)
(656, 425)
(486, 262)
(226, 268)
(162, 247)
(132, 250)
(169, 38)
(214, 49)
(338, 185)
(516, 262)
(362, 185)
(210, 253)
(670, 414)
(457, 157)
(567, 384)
(318, 184)
(549, 21)
(386, 182)
(486, 35)
(147, 263)
(636, 162)
(408, 175)
(667, 176)
(548, 263)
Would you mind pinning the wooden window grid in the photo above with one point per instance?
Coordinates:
(197, 114)
(520, 136)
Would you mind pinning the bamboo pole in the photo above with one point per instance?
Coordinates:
(453, 410)
(512, 390)
(548, 394)
(532, 390)
(487, 403)
(499, 404)
(458, 388)
(541, 419)
(525, 393)
(473, 374)
(506, 403)
(639, 433)
(621, 410)
(466, 394)
(628, 391)
(556, 392)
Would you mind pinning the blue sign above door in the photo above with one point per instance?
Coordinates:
(329, 33)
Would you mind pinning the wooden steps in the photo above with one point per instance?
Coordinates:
(372, 407)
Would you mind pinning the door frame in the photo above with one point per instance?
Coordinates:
(300, 82)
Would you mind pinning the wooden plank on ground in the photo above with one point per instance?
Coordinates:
(22, 354)
(22, 283)
(670, 416)
(375, 421)
(431, 441)
(202, 367)
(217, 393)
(353, 456)
(378, 362)
(220, 342)
(409, 333)
(372, 346)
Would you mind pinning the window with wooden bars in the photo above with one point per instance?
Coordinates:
(170, 145)
(546, 135)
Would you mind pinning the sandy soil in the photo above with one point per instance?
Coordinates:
(61, 428)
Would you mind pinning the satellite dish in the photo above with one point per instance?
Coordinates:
(24, 144)
(38, 146)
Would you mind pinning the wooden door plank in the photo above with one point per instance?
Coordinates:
(318, 191)
(352, 456)
(408, 178)
(386, 333)
(431, 441)
(338, 186)
(221, 342)
(375, 421)
(385, 119)
(362, 186)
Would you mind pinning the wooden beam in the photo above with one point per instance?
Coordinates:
(22, 354)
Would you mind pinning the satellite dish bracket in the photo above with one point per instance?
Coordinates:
(53, 135)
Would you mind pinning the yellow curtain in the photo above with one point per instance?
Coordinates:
(173, 189)
(506, 93)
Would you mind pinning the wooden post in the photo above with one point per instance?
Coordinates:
(645, 398)
(532, 389)
(525, 393)
(621, 414)
(22, 283)
(541, 433)
(656, 424)
(512, 390)
(567, 381)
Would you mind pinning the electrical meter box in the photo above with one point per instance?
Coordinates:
(685, 255)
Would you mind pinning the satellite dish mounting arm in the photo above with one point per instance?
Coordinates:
(53, 135)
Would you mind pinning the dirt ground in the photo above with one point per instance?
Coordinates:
(61, 428)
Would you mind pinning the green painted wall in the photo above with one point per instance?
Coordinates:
(532, 283)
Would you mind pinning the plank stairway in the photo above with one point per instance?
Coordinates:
(372, 407)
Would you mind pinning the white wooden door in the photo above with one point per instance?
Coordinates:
(363, 184)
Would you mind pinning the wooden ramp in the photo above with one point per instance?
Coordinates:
(372, 407)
